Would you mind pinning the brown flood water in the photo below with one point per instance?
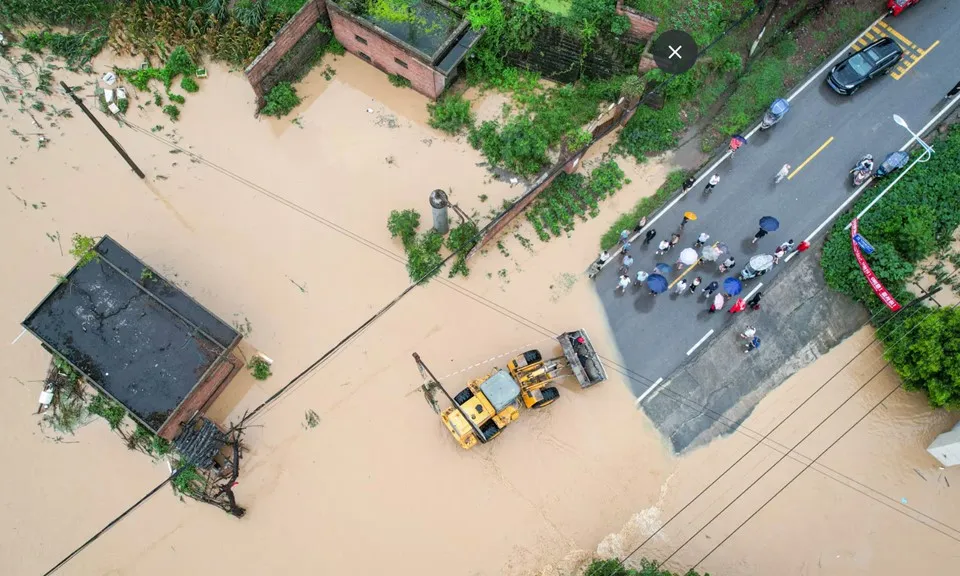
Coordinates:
(379, 482)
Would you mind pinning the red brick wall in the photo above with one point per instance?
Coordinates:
(201, 397)
(641, 27)
(286, 37)
(381, 53)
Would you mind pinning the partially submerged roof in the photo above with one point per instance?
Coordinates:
(134, 335)
(433, 30)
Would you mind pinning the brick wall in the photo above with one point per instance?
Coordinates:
(259, 71)
(641, 27)
(202, 396)
(384, 54)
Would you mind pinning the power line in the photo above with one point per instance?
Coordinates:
(778, 492)
(808, 465)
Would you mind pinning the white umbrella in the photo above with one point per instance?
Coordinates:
(688, 256)
(711, 253)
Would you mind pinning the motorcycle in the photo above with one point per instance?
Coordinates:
(757, 266)
(894, 161)
(895, 7)
(862, 170)
(776, 112)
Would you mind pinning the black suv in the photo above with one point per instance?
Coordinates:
(873, 60)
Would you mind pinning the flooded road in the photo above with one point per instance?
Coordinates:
(279, 227)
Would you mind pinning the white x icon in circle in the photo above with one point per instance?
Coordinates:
(674, 52)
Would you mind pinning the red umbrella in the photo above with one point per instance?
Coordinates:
(738, 306)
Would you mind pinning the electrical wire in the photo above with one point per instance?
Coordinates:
(620, 562)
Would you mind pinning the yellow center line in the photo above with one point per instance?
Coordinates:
(811, 157)
(685, 272)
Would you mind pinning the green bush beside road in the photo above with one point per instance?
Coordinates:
(915, 220)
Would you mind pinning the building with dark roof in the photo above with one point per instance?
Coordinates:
(424, 46)
(137, 338)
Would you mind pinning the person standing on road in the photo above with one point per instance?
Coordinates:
(727, 264)
(711, 288)
(627, 262)
(674, 240)
(642, 276)
(624, 234)
(753, 344)
(778, 254)
(604, 256)
(693, 285)
(701, 240)
(803, 246)
(687, 219)
(953, 92)
(688, 184)
(663, 247)
(626, 246)
(681, 287)
(712, 183)
(640, 224)
(624, 282)
(748, 333)
(738, 306)
(784, 171)
(754, 303)
(650, 235)
(760, 234)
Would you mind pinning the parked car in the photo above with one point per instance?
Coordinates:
(873, 60)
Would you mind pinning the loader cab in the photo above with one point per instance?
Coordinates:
(490, 403)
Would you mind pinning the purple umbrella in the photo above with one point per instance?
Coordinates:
(657, 283)
(732, 286)
(662, 268)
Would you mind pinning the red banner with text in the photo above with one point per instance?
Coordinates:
(872, 279)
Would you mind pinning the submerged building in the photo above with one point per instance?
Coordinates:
(137, 338)
(423, 41)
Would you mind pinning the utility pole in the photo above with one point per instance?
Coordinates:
(103, 131)
(753, 47)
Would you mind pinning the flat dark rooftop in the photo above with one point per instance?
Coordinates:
(138, 338)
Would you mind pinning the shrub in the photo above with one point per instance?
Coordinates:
(189, 84)
(404, 224)
(928, 359)
(336, 48)
(619, 25)
(461, 240)
(520, 147)
(176, 98)
(398, 81)
(650, 131)
(644, 207)
(172, 111)
(281, 99)
(285, 8)
(107, 409)
(647, 568)
(82, 248)
(423, 256)
(451, 114)
(259, 368)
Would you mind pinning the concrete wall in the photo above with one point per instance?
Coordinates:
(641, 27)
(384, 54)
(263, 73)
(946, 447)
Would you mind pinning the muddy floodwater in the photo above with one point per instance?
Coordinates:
(279, 227)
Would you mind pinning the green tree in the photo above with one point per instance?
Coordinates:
(404, 224)
(926, 355)
(647, 568)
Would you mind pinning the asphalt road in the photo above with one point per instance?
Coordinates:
(655, 335)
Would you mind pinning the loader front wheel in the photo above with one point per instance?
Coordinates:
(464, 395)
(550, 396)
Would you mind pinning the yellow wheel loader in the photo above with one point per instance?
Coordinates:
(490, 403)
